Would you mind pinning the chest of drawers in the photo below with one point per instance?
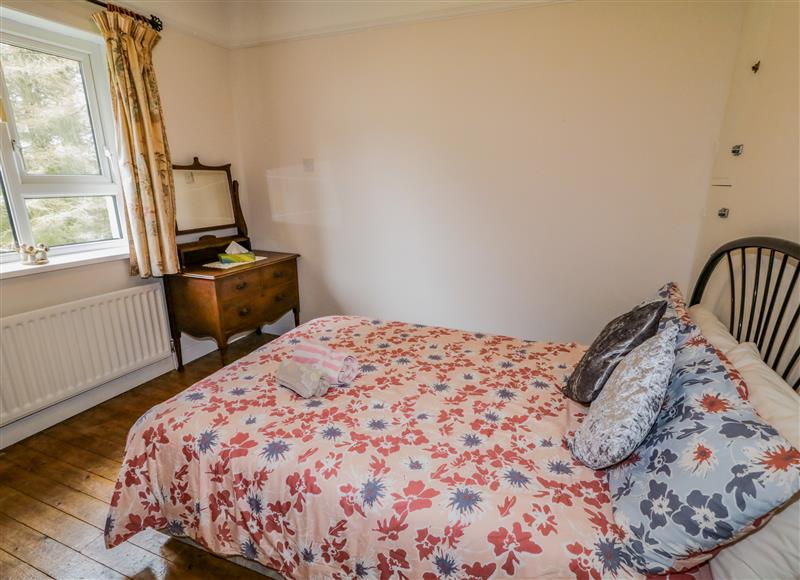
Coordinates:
(207, 302)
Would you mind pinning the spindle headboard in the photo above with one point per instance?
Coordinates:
(767, 312)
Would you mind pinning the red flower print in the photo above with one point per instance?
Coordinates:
(238, 446)
(595, 493)
(541, 518)
(513, 543)
(478, 572)
(277, 520)
(714, 404)
(218, 501)
(349, 500)
(702, 453)
(155, 437)
(302, 485)
(581, 566)
(329, 466)
(453, 533)
(426, 543)
(780, 458)
(387, 444)
(415, 497)
(390, 529)
(393, 563)
(508, 503)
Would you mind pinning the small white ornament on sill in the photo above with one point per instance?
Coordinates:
(33, 255)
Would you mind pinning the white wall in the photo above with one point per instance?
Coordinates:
(531, 172)
(763, 114)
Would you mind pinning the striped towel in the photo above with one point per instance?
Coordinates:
(339, 368)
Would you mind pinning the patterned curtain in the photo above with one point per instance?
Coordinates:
(142, 149)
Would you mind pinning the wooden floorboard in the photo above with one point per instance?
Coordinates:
(55, 487)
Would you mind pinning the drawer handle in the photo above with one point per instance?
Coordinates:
(244, 311)
(280, 297)
(241, 285)
(279, 274)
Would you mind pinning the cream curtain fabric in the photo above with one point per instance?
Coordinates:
(142, 149)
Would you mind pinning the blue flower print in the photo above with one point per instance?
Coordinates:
(471, 440)
(743, 484)
(372, 491)
(516, 478)
(377, 424)
(175, 528)
(254, 502)
(660, 503)
(331, 433)
(559, 466)
(249, 550)
(465, 501)
(207, 441)
(612, 555)
(308, 553)
(446, 565)
(704, 515)
(362, 570)
(275, 450)
(659, 461)
(506, 394)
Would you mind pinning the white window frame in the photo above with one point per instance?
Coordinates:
(89, 51)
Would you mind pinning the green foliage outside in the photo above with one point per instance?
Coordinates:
(48, 100)
(6, 236)
(69, 220)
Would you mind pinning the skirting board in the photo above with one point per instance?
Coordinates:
(27, 426)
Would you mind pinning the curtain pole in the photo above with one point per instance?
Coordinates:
(153, 20)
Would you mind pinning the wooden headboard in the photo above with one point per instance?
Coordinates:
(764, 302)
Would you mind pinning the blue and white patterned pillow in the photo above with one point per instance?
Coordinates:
(708, 471)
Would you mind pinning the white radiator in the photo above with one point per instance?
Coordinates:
(52, 354)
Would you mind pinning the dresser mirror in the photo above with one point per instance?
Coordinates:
(206, 198)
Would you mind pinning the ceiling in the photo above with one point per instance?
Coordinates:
(242, 23)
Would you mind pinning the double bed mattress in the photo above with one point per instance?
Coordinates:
(446, 458)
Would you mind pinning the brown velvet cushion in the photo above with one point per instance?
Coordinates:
(618, 338)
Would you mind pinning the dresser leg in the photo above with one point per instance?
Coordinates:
(259, 332)
(174, 330)
(178, 354)
(296, 312)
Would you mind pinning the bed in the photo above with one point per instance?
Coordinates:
(447, 458)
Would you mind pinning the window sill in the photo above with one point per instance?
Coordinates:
(16, 269)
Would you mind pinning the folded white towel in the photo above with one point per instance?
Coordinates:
(339, 368)
(305, 380)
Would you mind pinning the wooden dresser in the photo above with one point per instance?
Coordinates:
(208, 302)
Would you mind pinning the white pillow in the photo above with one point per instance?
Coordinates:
(773, 551)
(712, 328)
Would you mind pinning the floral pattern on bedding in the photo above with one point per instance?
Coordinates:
(445, 459)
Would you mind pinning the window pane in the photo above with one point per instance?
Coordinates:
(7, 240)
(58, 221)
(48, 99)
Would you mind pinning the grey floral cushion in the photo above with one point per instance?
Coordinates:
(628, 405)
(617, 339)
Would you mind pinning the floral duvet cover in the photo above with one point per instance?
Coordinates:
(445, 459)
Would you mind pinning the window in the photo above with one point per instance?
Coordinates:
(57, 180)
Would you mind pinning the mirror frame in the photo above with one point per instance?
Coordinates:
(233, 186)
